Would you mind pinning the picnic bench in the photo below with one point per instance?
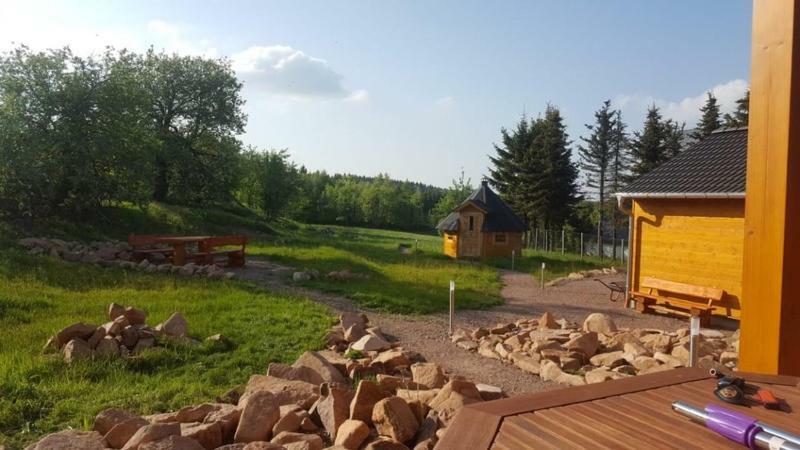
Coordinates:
(698, 300)
(143, 246)
(216, 246)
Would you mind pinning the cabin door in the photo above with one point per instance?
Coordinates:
(469, 239)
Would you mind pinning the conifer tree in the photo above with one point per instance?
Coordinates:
(648, 147)
(741, 114)
(710, 119)
(618, 170)
(510, 160)
(673, 137)
(595, 159)
(549, 176)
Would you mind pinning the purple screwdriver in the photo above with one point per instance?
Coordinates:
(739, 428)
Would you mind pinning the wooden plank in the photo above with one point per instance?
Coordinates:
(704, 292)
(771, 275)
(471, 428)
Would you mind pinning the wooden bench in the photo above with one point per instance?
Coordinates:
(211, 249)
(145, 245)
(698, 300)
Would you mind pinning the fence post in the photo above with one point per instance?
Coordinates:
(624, 257)
(452, 303)
(543, 266)
(562, 241)
(581, 246)
(513, 254)
(536, 239)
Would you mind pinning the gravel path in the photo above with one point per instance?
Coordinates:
(428, 334)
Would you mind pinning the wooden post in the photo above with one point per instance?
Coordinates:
(581, 246)
(513, 252)
(543, 266)
(562, 241)
(452, 304)
(770, 288)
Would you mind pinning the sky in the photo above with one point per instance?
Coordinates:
(420, 89)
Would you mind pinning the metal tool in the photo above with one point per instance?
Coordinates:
(735, 390)
(739, 428)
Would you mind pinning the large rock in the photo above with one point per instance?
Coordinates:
(489, 392)
(70, 440)
(600, 375)
(367, 394)
(287, 372)
(610, 359)
(326, 371)
(392, 359)
(259, 413)
(289, 421)
(172, 443)
(77, 330)
(289, 440)
(77, 349)
(428, 374)
(383, 443)
(333, 407)
(287, 392)
(617, 341)
(525, 362)
(586, 343)
(209, 435)
(122, 432)
(108, 418)
(547, 321)
(174, 326)
(348, 319)
(370, 343)
(657, 342)
(351, 434)
(669, 360)
(227, 416)
(134, 315)
(196, 413)
(152, 432)
(393, 418)
(411, 395)
(599, 323)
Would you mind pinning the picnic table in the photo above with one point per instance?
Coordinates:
(179, 244)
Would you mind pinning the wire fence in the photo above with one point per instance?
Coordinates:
(578, 243)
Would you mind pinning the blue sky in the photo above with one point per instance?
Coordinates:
(420, 89)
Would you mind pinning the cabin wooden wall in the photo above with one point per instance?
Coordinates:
(695, 241)
(469, 243)
(450, 244)
(495, 250)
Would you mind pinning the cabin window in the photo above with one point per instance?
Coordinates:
(499, 238)
(471, 223)
(450, 237)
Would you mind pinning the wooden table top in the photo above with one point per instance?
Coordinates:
(630, 413)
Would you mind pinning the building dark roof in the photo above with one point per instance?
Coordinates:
(715, 166)
(499, 217)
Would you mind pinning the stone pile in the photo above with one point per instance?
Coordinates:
(124, 335)
(593, 273)
(116, 254)
(597, 351)
(362, 393)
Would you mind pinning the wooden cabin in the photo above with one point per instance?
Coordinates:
(483, 226)
(688, 219)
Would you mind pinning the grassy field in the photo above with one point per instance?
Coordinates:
(39, 296)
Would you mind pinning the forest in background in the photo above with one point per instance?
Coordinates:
(78, 134)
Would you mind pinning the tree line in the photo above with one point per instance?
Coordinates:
(81, 133)
(534, 170)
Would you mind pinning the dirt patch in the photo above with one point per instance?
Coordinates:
(524, 299)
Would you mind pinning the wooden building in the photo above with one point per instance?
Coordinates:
(687, 219)
(482, 226)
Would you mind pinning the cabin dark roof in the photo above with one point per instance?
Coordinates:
(499, 217)
(715, 166)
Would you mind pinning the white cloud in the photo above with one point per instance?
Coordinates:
(358, 96)
(288, 72)
(634, 106)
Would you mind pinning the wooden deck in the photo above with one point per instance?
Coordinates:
(631, 413)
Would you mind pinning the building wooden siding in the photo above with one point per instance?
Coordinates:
(493, 249)
(695, 241)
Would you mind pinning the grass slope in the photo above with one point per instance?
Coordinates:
(39, 296)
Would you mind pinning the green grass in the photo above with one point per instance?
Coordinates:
(556, 264)
(408, 284)
(38, 296)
